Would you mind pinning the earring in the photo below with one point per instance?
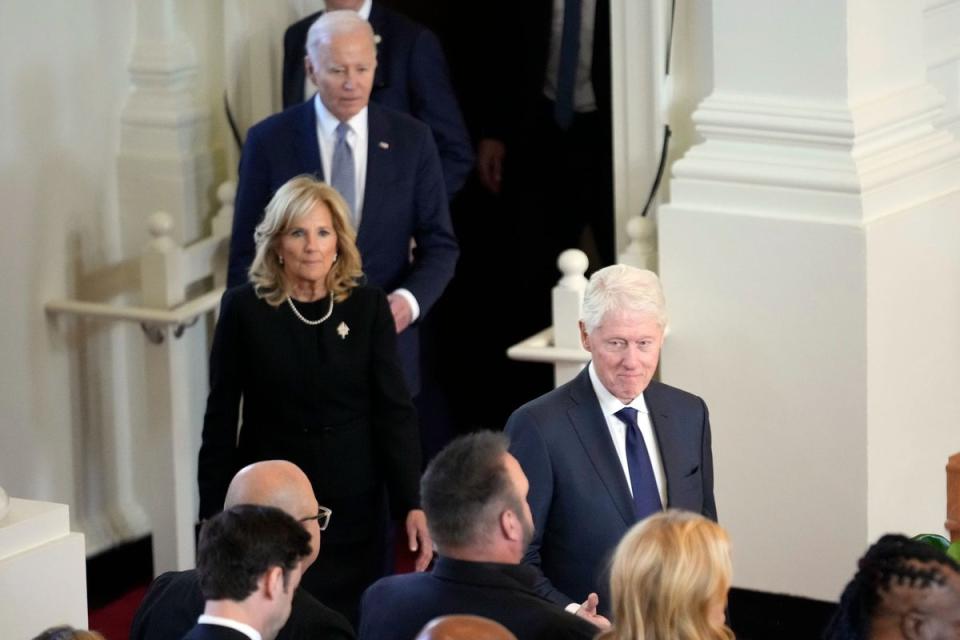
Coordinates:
(280, 258)
(336, 257)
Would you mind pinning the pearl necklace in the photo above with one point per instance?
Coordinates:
(312, 323)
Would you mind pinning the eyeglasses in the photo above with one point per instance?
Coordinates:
(322, 518)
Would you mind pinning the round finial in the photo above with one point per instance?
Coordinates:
(4, 503)
(641, 228)
(226, 192)
(573, 262)
(160, 224)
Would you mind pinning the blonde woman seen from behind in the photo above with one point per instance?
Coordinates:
(669, 580)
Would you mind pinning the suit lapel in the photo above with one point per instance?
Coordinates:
(379, 166)
(591, 428)
(671, 448)
(306, 145)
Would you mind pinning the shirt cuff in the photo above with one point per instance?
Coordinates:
(414, 306)
(573, 607)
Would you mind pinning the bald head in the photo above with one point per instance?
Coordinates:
(280, 484)
(464, 627)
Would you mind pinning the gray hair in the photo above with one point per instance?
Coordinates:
(622, 288)
(332, 24)
(466, 487)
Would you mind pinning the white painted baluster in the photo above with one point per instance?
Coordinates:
(567, 299)
(641, 250)
(221, 226)
(172, 509)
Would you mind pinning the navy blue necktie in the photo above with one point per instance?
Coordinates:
(567, 67)
(342, 173)
(646, 496)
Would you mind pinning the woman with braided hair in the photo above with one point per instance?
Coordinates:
(903, 589)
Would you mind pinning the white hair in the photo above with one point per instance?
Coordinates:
(622, 288)
(332, 24)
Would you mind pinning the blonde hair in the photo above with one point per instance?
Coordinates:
(295, 199)
(666, 572)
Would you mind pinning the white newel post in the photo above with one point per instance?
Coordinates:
(567, 298)
(171, 419)
(641, 251)
(806, 254)
(221, 226)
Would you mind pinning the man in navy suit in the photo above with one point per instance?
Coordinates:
(411, 77)
(611, 446)
(397, 185)
(474, 494)
(249, 563)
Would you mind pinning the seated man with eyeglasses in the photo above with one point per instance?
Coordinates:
(174, 601)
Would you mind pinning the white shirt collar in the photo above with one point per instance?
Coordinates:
(609, 403)
(328, 122)
(364, 9)
(245, 629)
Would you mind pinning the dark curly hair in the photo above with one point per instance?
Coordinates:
(893, 559)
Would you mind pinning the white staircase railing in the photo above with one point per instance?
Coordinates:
(167, 272)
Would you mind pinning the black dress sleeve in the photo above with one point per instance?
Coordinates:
(219, 460)
(396, 433)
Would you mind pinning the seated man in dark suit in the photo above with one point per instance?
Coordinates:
(474, 495)
(383, 162)
(249, 563)
(174, 600)
(411, 77)
(611, 446)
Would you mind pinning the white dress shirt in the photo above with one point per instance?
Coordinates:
(584, 99)
(245, 629)
(609, 405)
(358, 138)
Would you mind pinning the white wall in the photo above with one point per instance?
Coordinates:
(810, 263)
(62, 78)
(913, 335)
(71, 393)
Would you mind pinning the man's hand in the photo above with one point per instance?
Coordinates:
(419, 539)
(588, 611)
(402, 313)
(490, 155)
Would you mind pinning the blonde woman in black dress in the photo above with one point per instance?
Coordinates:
(312, 355)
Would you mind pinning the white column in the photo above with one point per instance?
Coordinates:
(638, 49)
(166, 152)
(809, 258)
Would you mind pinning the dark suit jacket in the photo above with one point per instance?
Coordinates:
(214, 632)
(520, 48)
(579, 496)
(411, 77)
(174, 602)
(397, 607)
(404, 197)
